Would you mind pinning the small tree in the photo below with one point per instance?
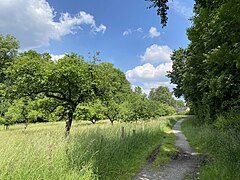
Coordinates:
(92, 111)
(111, 110)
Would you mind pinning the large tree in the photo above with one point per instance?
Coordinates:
(207, 73)
(70, 80)
(8, 51)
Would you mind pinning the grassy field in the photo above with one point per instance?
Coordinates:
(92, 152)
(222, 148)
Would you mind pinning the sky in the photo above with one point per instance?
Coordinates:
(125, 32)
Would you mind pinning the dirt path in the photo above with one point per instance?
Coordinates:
(177, 169)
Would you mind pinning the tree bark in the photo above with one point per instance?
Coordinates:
(112, 122)
(68, 124)
(26, 125)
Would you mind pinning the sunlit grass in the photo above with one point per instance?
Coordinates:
(222, 148)
(93, 151)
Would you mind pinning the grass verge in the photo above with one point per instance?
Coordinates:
(222, 148)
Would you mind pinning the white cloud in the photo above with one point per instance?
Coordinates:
(32, 22)
(148, 72)
(147, 76)
(153, 32)
(157, 54)
(57, 57)
(139, 30)
(127, 32)
(101, 28)
(148, 86)
(131, 31)
(181, 8)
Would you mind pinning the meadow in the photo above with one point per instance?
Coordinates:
(93, 151)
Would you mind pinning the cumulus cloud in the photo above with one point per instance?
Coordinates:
(33, 22)
(147, 76)
(153, 32)
(131, 31)
(148, 72)
(157, 54)
(146, 87)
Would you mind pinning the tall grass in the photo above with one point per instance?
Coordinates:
(92, 152)
(222, 148)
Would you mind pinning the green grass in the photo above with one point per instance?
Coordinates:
(92, 152)
(222, 148)
(167, 149)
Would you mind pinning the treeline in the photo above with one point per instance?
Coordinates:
(207, 72)
(34, 88)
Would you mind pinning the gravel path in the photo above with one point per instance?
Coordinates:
(185, 164)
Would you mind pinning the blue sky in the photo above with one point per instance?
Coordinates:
(125, 32)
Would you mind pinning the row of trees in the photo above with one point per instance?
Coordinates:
(207, 72)
(34, 88)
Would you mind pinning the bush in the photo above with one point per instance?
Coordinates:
(229, 120)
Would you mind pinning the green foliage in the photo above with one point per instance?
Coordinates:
(162, 8)
(178, 68)
(228, 120)
(161, 94)
(139, 107)
(179, 103)
(92, 111)
(207, 73)
(221, 147)
(111, 110)
(165, 110)
(8, 50)
(68, 82)
(22, 111)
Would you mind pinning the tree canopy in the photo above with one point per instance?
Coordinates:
(36, 88)
(70, 81)
(207, 72)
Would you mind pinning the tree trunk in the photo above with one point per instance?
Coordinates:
(68, 124)
(111, 122)
(26, 125)
(6, 126)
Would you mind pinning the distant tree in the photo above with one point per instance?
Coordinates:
(179, 103)
(161, 94)
(136, 106)
(92, 111)
(8, 50)
(111, 110)
(118, 89)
